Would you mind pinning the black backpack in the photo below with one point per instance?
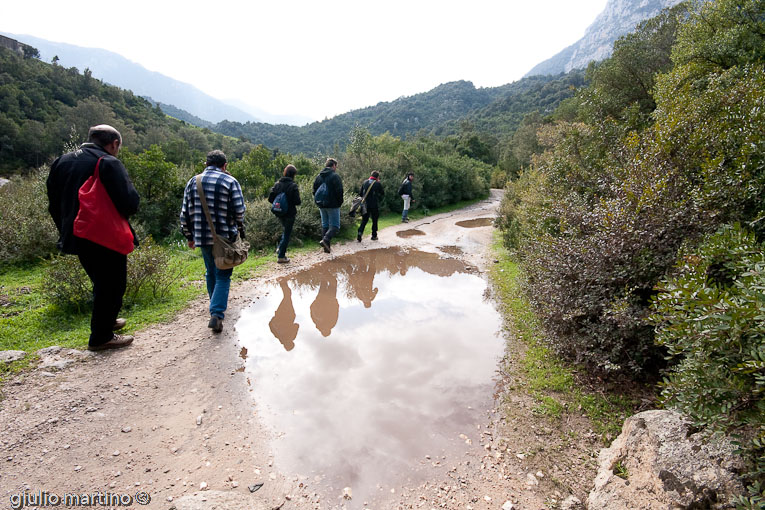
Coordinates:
(280, 205)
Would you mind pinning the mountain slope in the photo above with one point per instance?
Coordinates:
(620, 17)
(117, 70)
(437, 111)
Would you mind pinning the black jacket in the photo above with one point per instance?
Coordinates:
(67, 175)
(335, 185)
(406, 188)
(375, 194)
(290, 188)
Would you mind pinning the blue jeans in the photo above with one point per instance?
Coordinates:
(287, 223)
(330, 222)
(218, 283)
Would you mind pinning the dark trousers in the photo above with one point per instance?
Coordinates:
(287, 223)
(375, 214)
(107, 270)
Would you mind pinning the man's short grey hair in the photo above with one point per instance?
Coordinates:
(103, 135)
(216, 158)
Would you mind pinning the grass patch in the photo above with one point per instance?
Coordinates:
(29, 322)
(551, 381)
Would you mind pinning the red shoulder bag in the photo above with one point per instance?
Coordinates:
(98, 219)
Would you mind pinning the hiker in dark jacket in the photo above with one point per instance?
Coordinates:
(405, 190)
(329, 205)
(287, 185)
(106, 268)
(373, 195)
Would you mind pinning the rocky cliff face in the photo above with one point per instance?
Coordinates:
(619, 18)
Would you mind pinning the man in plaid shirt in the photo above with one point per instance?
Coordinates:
(226, 203)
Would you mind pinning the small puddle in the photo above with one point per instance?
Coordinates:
(410, 233)
(368, 366)
(478, 222)
(451, 250)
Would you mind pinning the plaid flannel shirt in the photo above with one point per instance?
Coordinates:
(225, 201)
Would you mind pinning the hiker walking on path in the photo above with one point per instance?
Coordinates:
(286, 216)
(106, 268)
(328, 195)
(372, 191)
(226, 203)
(405, 191)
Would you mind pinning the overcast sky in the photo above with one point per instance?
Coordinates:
(316, 58)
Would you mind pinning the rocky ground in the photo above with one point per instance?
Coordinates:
(172, 418)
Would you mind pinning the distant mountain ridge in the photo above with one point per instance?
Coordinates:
(620, 17)
(437, 111)
(116, 70)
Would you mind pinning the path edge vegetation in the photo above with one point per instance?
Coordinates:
(558, 387)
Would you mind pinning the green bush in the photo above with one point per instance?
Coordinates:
(26, 228)
(66, 284)
(150, 275)
(710, 318)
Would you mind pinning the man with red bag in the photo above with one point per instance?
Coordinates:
(101, 249)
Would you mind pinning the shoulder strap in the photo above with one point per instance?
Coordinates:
(98, 163)
(203, 199)
(371, 183)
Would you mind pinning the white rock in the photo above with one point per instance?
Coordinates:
(508, 505)
(347, 493)
(8, 356)
(203, 486)
(531, 480)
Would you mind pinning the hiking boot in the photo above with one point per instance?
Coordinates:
(324, 244)
(117, 342)
(119, 324)
(405, 220)
(216, 324)
(283, 260)
(374, 238)
(358, 237)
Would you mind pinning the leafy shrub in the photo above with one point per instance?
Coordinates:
(709, 317)
(66, 284)
(149, 272)
(149, 276)
(26, 228)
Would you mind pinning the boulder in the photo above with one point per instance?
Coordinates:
(661, 461)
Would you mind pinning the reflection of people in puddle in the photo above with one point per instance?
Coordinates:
(283, 324)
(326, 308)
(361, 281)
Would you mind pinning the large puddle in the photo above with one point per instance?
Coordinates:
(372, 369)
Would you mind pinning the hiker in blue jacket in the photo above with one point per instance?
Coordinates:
(328, 195)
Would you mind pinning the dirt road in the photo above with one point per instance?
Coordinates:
(173, 418)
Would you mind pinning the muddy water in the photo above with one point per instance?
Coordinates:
(410, 233)
(372, 369)
(478, 222)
